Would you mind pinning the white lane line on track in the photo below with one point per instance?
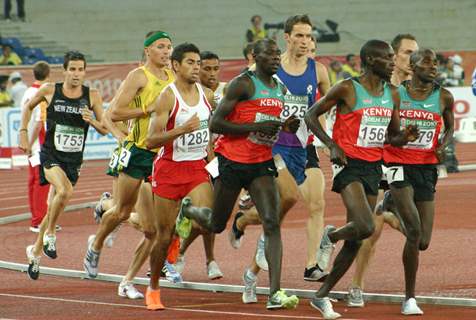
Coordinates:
(244, 314)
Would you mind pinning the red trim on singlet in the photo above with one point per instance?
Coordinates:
(169, 147)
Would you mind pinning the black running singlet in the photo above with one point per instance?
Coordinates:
(66, 130)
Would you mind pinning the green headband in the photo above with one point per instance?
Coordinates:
(156, 36)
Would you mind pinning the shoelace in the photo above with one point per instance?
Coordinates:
(36, 265)
(250, 289)
(51, 244)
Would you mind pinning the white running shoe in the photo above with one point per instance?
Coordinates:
(410, 307)
(109, 241)
(355, 298)
(126, 289)
(325, 307)
(213, 271)
(180, 263)
(249, 292)
(260, 254)
(326, 248)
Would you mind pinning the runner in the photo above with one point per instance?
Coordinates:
(364, 115)
(248, 120)
(412, 172)
(403, 45)
(70, 111)
(209, 71)
(37, 194)
(304, 78)
(180, 125)
(134, 102)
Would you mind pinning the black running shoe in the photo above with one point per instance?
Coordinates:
(235, 236)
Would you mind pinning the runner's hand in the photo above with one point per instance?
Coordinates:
(269, 128)
(291, 124)
(337, 155)
(23, 143)
(87, 115)
(411, 133)
(191, 124)
(441, 153)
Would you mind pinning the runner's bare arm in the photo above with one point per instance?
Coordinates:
(395, 136)
(324, 85)
(132, 85)
(97, 109)
(157, 135)
(115, 128)
(447, 103)
(44, 93)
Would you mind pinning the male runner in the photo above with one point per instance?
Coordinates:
(180, 125)
(37, 194)
(134, 102)
(403, 45)
(69, 113)
(364, 112)
(248, 120)
(304, 78)
(412, 172)
(209, 71)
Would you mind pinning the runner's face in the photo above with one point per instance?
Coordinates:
(269, 59)
(189, 68)
(298, 41)
(209, 70)
(426, 68)
(75, 73)
(159, 52)
(402, 57)
(384, 63)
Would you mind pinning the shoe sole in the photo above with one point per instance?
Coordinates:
(29, 262)
(321, 279)
(216, 277)
(289, 304)
(88, 273)
(322, 313)
(356, 305)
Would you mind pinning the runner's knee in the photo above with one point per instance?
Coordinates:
(413, 234)
(270, 224)
(363, 230)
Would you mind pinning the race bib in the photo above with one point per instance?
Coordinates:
(212, 168)
(124, 157)
(372, 131)
(336, 169)
(427, 130)
(261, 138)
(394, 174)
(69, 139)
(196, 140)
(294, 106)
(114, 159)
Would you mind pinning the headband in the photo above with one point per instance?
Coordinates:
(156, 36)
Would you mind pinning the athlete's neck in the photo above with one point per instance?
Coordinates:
(72, 91)
(157, 70)
(420, 89)
(398, 76)
(184, 86)
(214, 87)
(292, 63)
(266, 78)
(372, 83)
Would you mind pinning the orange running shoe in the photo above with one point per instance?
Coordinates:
(152, 300)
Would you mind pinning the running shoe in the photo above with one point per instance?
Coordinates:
(410, 307)
(49, 246)
(326, 248)
(280, 300)
(33, 263)
(213, 271)
(324, 305)
(180, 263)
(245, 202)
(91, 260)
(98, 210)
(260, 254)
(152, 300)
(171, 274)
(355, 298)
(315, 274)
(126, 289)
(236, 236)
(249, 292)
(183, 225)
